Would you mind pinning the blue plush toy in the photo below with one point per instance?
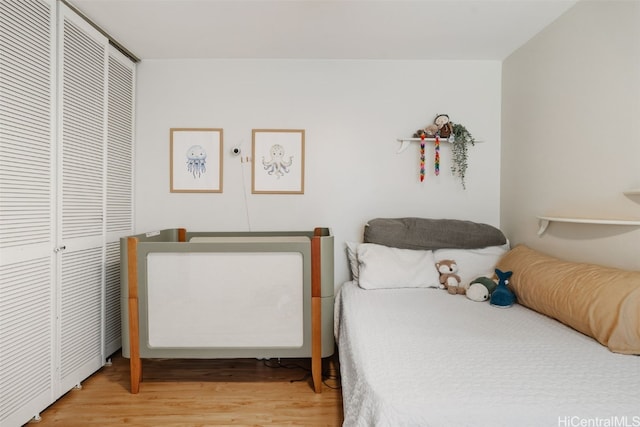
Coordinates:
(502, 296)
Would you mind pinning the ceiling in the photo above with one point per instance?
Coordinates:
(322, 29)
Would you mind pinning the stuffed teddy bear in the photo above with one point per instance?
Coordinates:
(428, 132)
(481, 289)
(502, 297)
(419, 134)
(448, 277)
(431, 131)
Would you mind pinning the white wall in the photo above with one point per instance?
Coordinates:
(352, 112)
(571, 133)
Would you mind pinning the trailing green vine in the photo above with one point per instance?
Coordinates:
(459, 151)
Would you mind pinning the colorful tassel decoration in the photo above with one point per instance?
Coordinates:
(422, 170)
(437, 161)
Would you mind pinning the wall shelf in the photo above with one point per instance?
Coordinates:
(405, 142)
(545, 220)
(632, 192)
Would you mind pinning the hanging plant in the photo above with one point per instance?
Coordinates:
(459, 151)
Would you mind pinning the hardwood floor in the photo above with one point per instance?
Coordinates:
(202, 393)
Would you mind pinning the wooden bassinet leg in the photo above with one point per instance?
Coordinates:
(316, 314)
(316, 344)
(135, 365)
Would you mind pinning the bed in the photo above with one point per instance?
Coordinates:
(418, 356)
(227, 295)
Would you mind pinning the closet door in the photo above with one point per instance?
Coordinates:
(82, 86)
(119, 186)
(27, 307)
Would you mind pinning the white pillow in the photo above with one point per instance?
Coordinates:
(352, 256)
(386, 267)
(473, 263)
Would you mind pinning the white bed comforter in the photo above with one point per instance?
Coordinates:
(422, 357)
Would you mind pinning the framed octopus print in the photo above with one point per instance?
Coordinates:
(196, 160)
(278, 161)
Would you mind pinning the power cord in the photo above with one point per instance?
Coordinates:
(245, 161)
(333, 375)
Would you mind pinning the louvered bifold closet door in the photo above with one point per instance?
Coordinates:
(82, 88)
(27, 312)
(119, 186)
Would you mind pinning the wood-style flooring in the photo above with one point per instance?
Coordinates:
(197, 392)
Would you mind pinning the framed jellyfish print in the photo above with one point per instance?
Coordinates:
(278, 161)
(196, 160)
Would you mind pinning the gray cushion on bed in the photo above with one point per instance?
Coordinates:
(431, 234)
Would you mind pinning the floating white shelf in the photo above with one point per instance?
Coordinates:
(632, 192)
(405, 142)
(545, 220)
